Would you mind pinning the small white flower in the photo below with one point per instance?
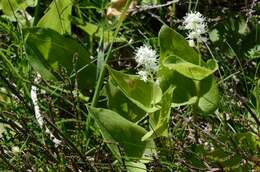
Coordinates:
(193, 21)
(34, 98)
(147, 61)
(15, 149)
(157, 82)
(196, 24)
(191, 43)
(146, 57)
(143, 75)
(56, 141)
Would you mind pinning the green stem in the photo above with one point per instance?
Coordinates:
(198, 50)
(189, 7)
(10, 65)
(14, 71)
(102, 73)
(196, 5)
(103, 69)
(36, 13)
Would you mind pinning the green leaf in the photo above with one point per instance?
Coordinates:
(58, 16)
(227, 160)
(208, 95)
(3, 128)
(10, 7)
(160, 124)
(257, 96)
(188, 69)
(254, 53)
(117, 130)
(95, 30)
(247, 142)
(150, 2)
(195, 158)
(39, 66)
(135, 167)
(214, 35)
(185, 89)
(233, 163)
(49, 50)
(173, 43)
(237, 37)
(89, 28)
(119, 103)
(182, 67)
(218, 154)
(144, 94)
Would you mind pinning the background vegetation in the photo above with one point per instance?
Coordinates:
(83, 101)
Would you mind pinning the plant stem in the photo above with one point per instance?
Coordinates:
(36, 13)
(89, 121)
(103, 70)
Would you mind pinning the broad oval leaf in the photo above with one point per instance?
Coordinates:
(48, 50)
(119, 103)
(97, 31)
(117, 130)
(159, 124)
(10, 7)
(187, 69)
(173, 43)
(135, 167)
(144, 94)
(182, 67)
(58, 16)
(208, 96)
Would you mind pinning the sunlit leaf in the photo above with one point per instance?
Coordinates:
(119, 132)
(160, 124)
(95, 30)
(208, 95)
(58, 16)
(48, 50)
(9, 7)
(135, 167)
(144, 94)
(187, 69)
(118, 102)
(182, 67)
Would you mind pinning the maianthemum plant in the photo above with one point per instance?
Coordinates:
(129, 111)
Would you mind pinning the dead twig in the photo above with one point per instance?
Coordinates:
(139, 9)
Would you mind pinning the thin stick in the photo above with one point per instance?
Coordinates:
(138, 9)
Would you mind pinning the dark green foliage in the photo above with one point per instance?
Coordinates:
(199, 112)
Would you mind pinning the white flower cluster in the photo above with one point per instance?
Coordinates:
(56, 141)
(146, 59)
(143, 75)
(37, 111)
(196, 24)
(38, 115)
(15, 150)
